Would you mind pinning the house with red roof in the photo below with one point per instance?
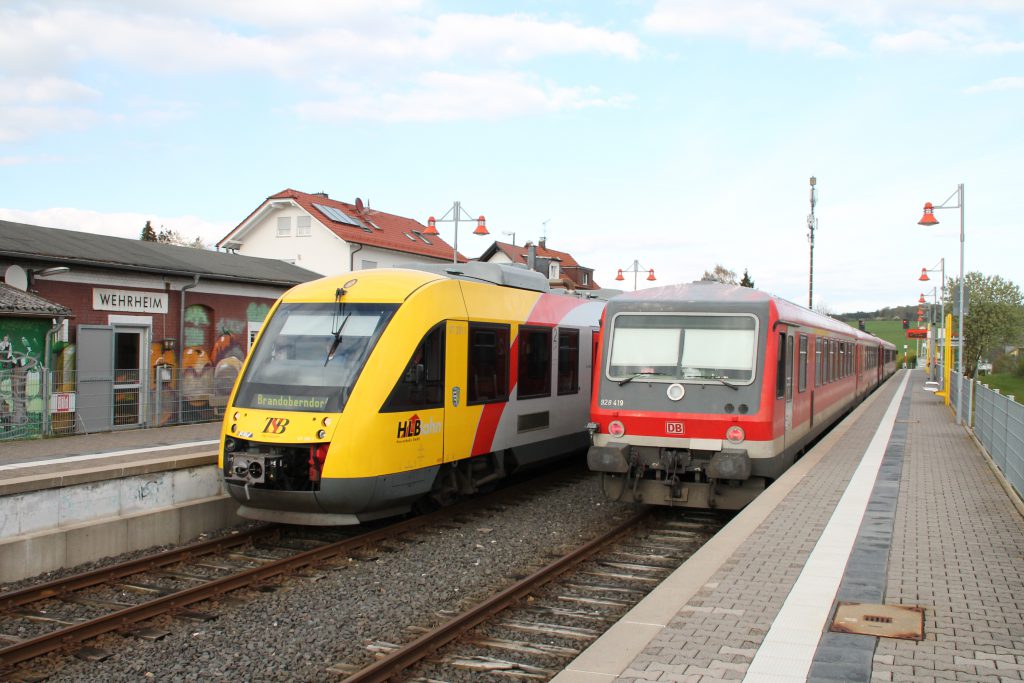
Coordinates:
(560, 267)
(329, 236)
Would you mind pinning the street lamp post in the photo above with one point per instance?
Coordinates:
(939, 267)
(456, 212)
(929, 219)
(635, 268)
(812, 223)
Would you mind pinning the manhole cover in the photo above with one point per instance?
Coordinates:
(884, 621)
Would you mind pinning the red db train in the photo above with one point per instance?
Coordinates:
(705, 393)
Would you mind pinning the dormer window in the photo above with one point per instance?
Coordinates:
(553, 271)
(585, 277)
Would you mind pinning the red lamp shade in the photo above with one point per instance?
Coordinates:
(619, 276)
(924, 275)
(431, 227)
(650, 276)
(929, 216)
(921, 300)
(481, 226)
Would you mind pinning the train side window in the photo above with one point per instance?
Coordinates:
(817, 361)
(780, 369)
(421, 384)
(488, 363)
(802, 367)
(534, 362)
(568, 361)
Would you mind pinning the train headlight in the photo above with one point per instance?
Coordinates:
(230, 445)
(234, 428)
(326, 422)
(235, 416)
(616, 429)
(735, 434)
(321, 434)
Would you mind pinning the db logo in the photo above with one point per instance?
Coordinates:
(675, 428)
(276, 425)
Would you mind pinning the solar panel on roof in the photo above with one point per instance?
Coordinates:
(338, 216)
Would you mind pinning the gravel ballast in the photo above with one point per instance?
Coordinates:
(294, 633)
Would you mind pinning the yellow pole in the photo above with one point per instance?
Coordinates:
(947, 360)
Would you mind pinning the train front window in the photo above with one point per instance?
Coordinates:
(671, 347)
(310, 356)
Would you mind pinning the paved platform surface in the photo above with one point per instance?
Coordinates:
(62, 461)
(897, 506)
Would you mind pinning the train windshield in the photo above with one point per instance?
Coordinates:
(310, 355)
(675, 347)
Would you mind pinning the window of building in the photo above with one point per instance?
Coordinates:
(488, 363)
(802, 376)
(568, 361)
(368, 265)
(553, 271)
(303, 226)
(584, 278)
(534, 362)
(284, 226)
(421, 384)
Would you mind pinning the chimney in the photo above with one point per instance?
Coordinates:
(531, 256)
(543, 242)
(321, 194)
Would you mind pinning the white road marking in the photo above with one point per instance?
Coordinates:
(788, 649)
(108, 454)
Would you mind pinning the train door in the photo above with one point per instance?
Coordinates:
(784, 384)
(459, 418)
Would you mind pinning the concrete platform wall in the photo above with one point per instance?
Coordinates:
(62, 527)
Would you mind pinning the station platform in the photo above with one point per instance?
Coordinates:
(76, 499)
(897, 517)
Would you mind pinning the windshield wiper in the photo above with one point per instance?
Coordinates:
(728, 384)
(337, 332)
(635, 375)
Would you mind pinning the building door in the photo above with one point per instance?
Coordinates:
(95, 358)
(130, 359)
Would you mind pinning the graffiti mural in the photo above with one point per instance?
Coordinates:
(22, 343)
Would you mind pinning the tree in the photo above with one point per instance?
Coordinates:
(995, 315)
(746, 281)
(172, 236)
(720, 274)
(148, 233)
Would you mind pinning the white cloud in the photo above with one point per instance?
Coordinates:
(1008, 83)
(310, 43)
(127, 225)
(438, 96)
(833, 27)
(778, 25)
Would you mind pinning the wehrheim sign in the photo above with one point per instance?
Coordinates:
(128, 301)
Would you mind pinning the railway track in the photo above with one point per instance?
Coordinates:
(128, 597)
(534, 627)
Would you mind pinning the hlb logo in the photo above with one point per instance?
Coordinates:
(410, 427)
(276, 425)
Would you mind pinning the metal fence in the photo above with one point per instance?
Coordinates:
(36, 402)
(998, 423)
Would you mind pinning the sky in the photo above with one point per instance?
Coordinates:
(672, 135)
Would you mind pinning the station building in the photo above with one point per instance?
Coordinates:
(144, 333)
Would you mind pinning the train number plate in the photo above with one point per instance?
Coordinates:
(674, 428)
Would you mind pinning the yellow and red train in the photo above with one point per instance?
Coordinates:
(707, 392)
(373, 391)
